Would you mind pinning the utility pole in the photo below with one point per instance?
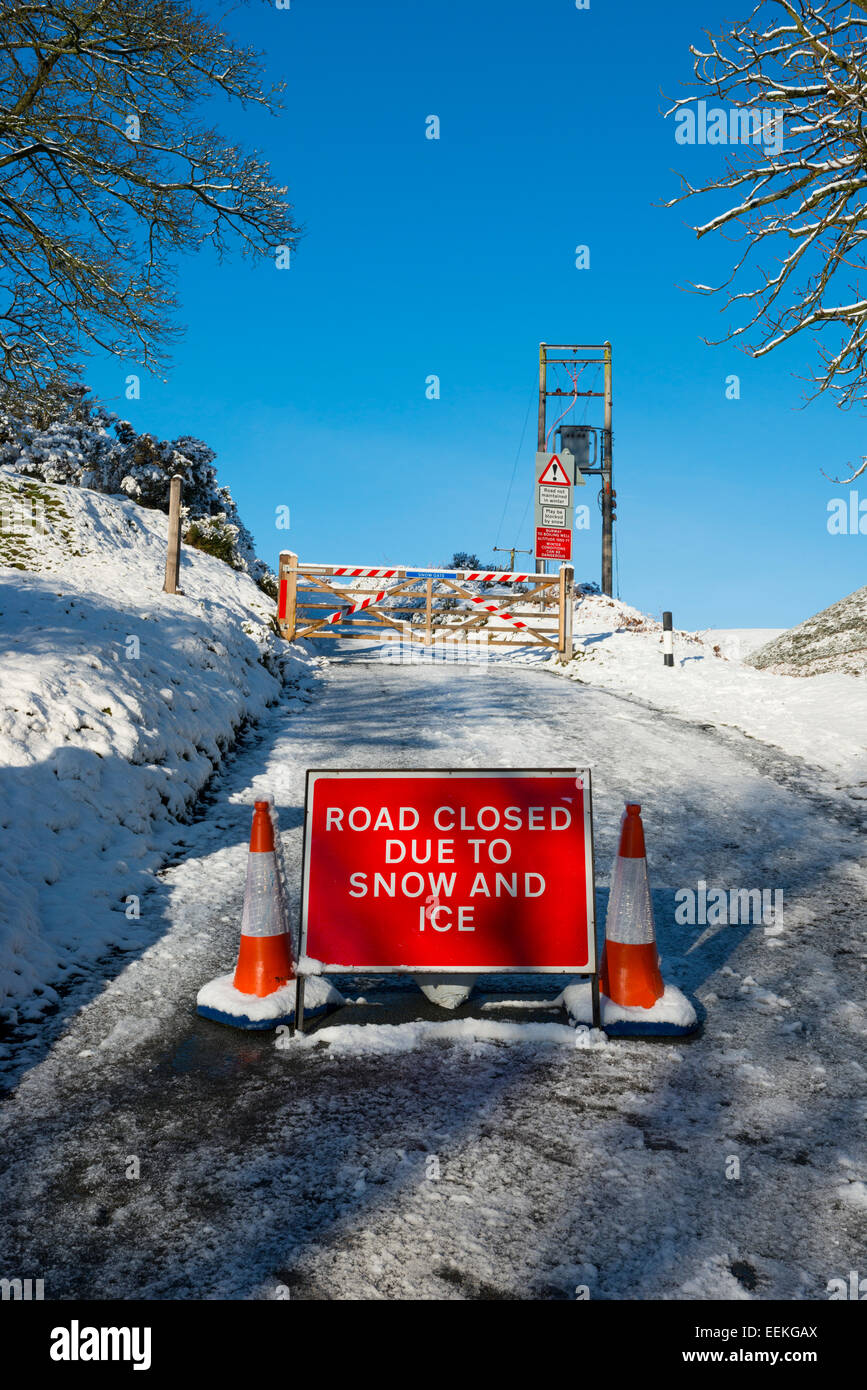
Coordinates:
(543, 407)
(608, 503)
(571, 356)
(512, 552)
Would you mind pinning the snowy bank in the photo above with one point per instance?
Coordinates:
(833, 640)
(119, 703)
(819, 718)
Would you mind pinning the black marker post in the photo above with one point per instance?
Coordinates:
(667, 640)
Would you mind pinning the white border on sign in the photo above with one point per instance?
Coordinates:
(574, 775)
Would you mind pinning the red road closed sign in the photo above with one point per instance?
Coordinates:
(449, 871)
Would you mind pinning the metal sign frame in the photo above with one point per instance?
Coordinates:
(544, 548)
(591, 968)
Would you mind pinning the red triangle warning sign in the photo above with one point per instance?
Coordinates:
(554, 474)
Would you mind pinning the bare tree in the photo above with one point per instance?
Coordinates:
(794, 189)
(106, 175)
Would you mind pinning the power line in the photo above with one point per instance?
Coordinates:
(515, 465)
(524, 513)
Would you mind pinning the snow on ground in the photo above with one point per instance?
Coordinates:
(391, 1154)
(735, 643)
(362, 1038)
(821, 719)
(119, 701)
(471, 1162)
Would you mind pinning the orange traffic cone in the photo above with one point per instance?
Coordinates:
(629, 973)
(265, 957)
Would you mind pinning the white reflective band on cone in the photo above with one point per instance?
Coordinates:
(630, 912)
(668, 643)
(263, 899)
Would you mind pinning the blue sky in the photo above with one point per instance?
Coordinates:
(456, 257)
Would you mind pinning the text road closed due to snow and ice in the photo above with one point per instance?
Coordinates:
(449, 871)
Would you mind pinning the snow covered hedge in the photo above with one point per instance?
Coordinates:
(89, 446)
(118, 705)
(833, 640)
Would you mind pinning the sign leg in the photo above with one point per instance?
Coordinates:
(594, 996)
(298, 1020)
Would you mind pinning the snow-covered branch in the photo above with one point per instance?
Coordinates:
(795, 77)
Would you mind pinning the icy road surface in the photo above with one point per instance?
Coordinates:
(149, 1153)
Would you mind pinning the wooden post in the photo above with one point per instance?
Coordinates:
(173, 558)
(287, 597)
(567, 599)
(428, 614)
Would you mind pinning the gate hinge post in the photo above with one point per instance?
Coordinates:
(287, 594)
(567, 603)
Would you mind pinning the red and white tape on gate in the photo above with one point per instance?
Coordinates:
(484, 577)
(480, 576)
(355, 607)
(492, 608)
(377, 598)
(364, 573)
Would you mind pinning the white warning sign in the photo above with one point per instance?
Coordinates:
(553, 516)
(554, 497)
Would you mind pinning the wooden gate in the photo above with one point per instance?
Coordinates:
(367, 603)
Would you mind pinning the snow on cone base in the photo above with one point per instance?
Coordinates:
(672, 1016)
(221, 1002)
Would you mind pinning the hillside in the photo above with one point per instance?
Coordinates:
(119, 702)
(833, 640)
